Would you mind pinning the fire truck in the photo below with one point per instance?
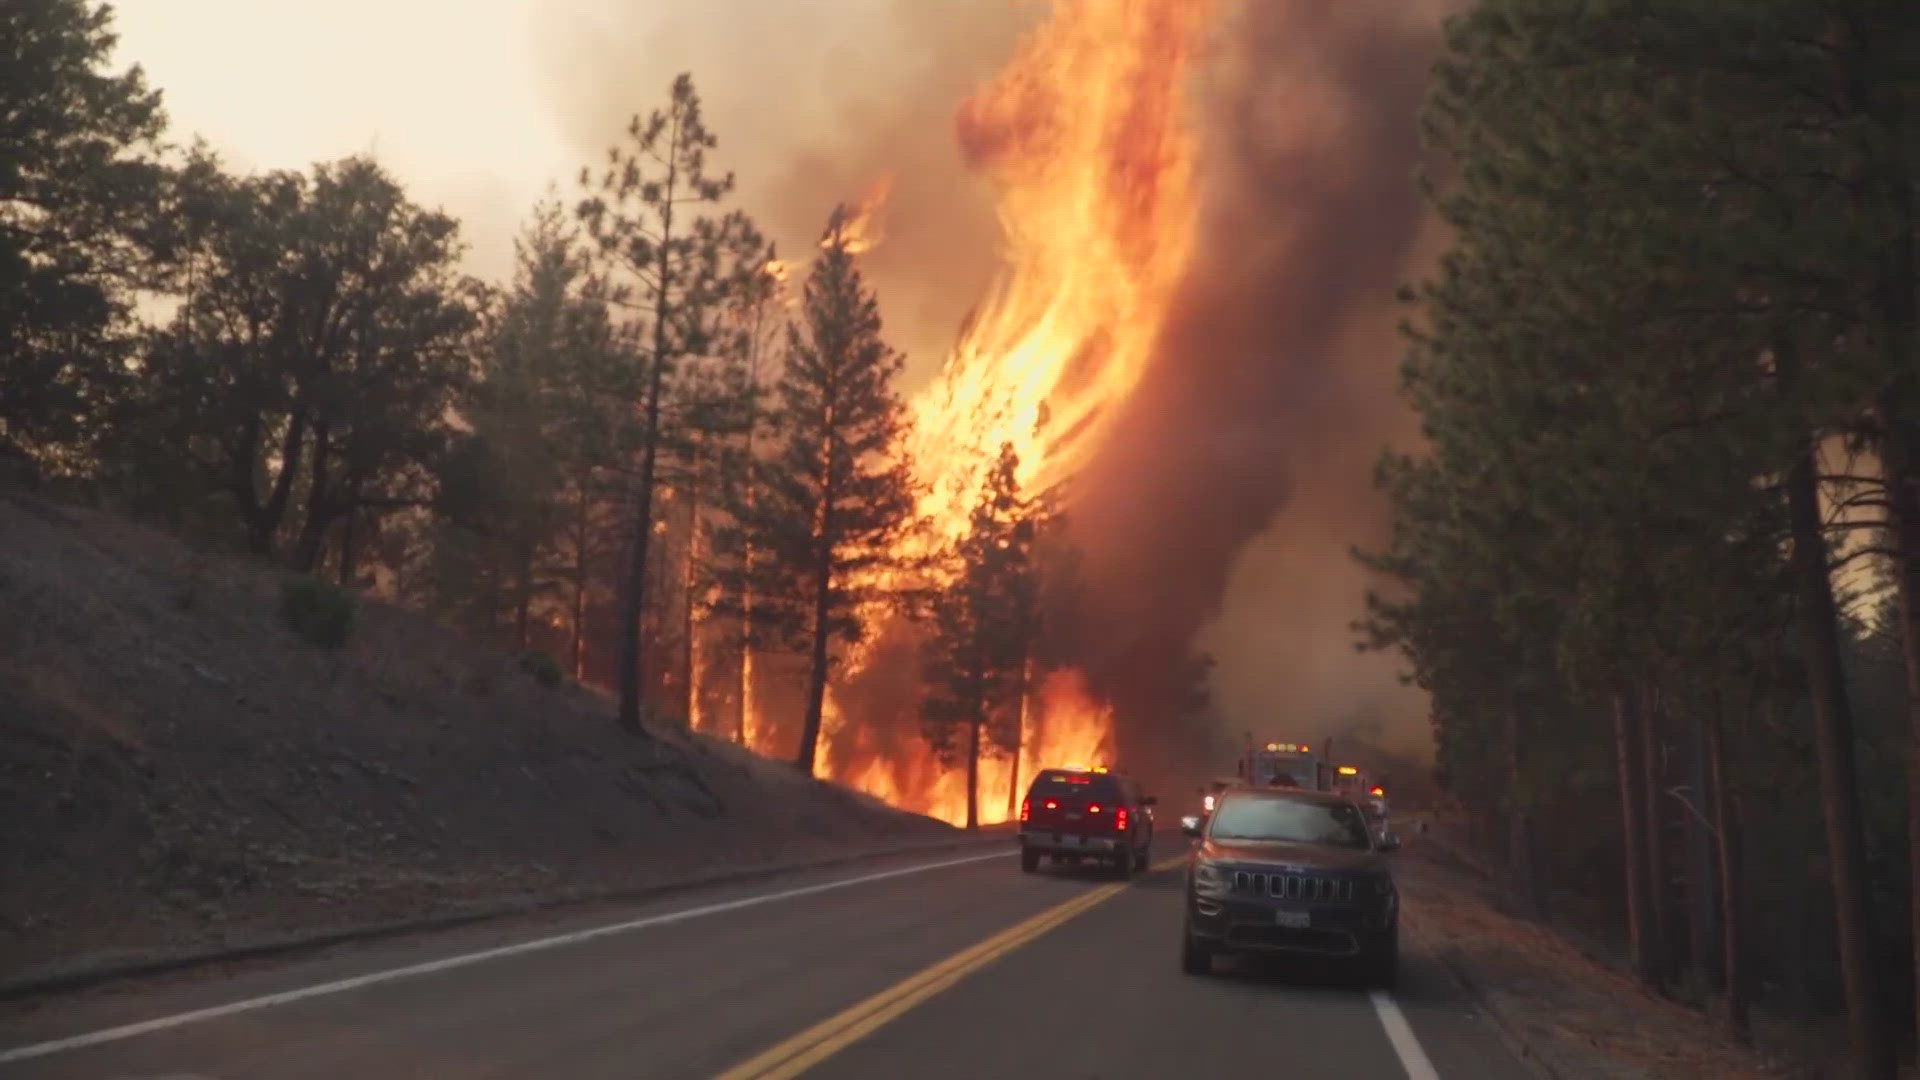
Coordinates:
(1288, 764)
(1368, 790)
(1301, 765)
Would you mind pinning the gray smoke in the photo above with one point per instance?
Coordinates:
(814, 103)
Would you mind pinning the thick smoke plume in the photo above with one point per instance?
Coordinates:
(1224, 504)
(1220, 509)
(814, 105)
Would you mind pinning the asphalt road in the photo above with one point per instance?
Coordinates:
(891, 970)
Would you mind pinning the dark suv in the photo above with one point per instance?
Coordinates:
(1291, 871)
(1075, 814)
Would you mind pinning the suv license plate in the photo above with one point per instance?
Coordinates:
(1067, 841)
(1299, 920)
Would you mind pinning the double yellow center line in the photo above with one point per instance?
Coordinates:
(829, 1037)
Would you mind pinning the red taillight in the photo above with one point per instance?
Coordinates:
(1094, 809)
(1050, 805)
(1120, 820)
(1026, 807)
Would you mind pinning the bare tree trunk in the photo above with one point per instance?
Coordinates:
(522, 594)
(576, 643)
(349, 558)
(817, 670)
(1900, 469)
(742, 734)
(750, 480)
(1726, 827)
(973, 773)
(264, 519)
(313, 530)
(1626, 741)
(1903, 496)
(1833, 748)
(495, 601)
(635, 605)
(689, 652)
(1897, 300)
(660, 669)
(1660, 930)
(1702, 934)
(1019, 738)
(1524, 878)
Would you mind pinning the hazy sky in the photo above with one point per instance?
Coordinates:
(447, 92)
(478, 105)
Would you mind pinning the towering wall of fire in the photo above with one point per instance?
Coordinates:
(1203, 207)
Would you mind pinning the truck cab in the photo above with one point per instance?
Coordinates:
(1279, 764)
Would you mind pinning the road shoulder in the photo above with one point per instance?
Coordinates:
(1567, 1015)
(84, 972)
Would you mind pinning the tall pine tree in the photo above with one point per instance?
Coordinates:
(984, 626)
(837, 493)
(671, 267)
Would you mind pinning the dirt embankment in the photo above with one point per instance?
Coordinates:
(178, 769)
(1558, 1003)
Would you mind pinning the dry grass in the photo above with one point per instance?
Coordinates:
(177, 767)
(1583, 1017)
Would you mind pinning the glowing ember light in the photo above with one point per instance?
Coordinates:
(1085, 136)
(861, 231)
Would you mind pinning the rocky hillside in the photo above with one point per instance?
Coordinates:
(177, 767)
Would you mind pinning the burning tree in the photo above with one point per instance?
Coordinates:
(984, 624)
(836, 496)
(674, 274)
(753, 355)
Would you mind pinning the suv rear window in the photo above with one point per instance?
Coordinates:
(1059, 783)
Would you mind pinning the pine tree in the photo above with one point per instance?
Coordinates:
(758, 336)
(1617, 437)
(673, 270)
(542, 418)
(837, 492)
(984, 624)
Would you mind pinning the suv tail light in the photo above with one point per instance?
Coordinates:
(1120, 820)
(1094, 808)
(1026, 808)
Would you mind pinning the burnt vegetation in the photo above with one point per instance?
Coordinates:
(1657, 564)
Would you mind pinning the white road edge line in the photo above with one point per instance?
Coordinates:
(1400, 1034)
(128, 1031)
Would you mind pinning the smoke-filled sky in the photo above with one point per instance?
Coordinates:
(479, 105)
(1225, 503)
(1314, 223)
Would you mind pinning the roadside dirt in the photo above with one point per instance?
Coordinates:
(1574, 1016)
(178, 770)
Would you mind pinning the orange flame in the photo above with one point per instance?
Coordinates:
(861, 229)
(1065, 725)
(1085, 133)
